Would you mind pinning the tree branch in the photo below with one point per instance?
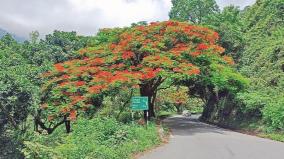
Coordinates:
(44, 127)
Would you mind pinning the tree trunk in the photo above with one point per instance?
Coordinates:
(209, 108)
(146, 91)
(67, 126)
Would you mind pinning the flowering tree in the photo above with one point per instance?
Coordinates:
(141, 57)
(174, 96)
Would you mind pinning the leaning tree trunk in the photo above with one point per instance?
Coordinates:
(209, 108)
(149, 89)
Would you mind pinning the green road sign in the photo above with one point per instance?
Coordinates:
(139, 103)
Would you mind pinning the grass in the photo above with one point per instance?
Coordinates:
(258, 128)
(99, 138)
(273, 136)
(253, 127)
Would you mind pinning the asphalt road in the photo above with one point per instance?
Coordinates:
(192, 139)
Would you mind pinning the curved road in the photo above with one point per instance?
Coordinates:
(192, 139)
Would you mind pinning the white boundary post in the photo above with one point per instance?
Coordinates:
(147, 116)
(132, 115)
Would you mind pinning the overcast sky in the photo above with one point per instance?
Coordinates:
(84, 16)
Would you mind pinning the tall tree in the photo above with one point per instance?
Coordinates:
(195, 11)
(142, 57)
(18, 95)
(230, 26)
(56, 47)
(16, 86)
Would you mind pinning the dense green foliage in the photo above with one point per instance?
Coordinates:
(16, 83)
(103, 138)
(20, 80)
(229, 25)
(263, 60)
(18, 94)
(254, 37)
(56, 47)
(195, 11)
(20, 67)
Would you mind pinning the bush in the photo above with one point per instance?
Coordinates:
(97, 138)
(125, 117)
(253, 102)
(273, 114)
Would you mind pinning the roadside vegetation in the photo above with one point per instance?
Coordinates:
(254, 37)
(69, 96)
(92, 138)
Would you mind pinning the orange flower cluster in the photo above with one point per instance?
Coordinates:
(65, 76)
(177, 70)
(79, 83)
(179, 49)
(202, 46)
(150, 73)
(73, 115)
(76, 99)
(228, 60)
(127, 55)
(195, 54)
(96, 61)
(64, 84)
(59, 67)
(96, 89)
(194, 71)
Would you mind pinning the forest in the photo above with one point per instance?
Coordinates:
(68, 95)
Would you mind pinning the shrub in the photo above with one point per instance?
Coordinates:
(96, 138)
(273, 114)
(253, 102)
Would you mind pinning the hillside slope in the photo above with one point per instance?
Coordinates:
(263, 60)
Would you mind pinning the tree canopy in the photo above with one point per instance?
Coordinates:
(141, 57)
(17, 79)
